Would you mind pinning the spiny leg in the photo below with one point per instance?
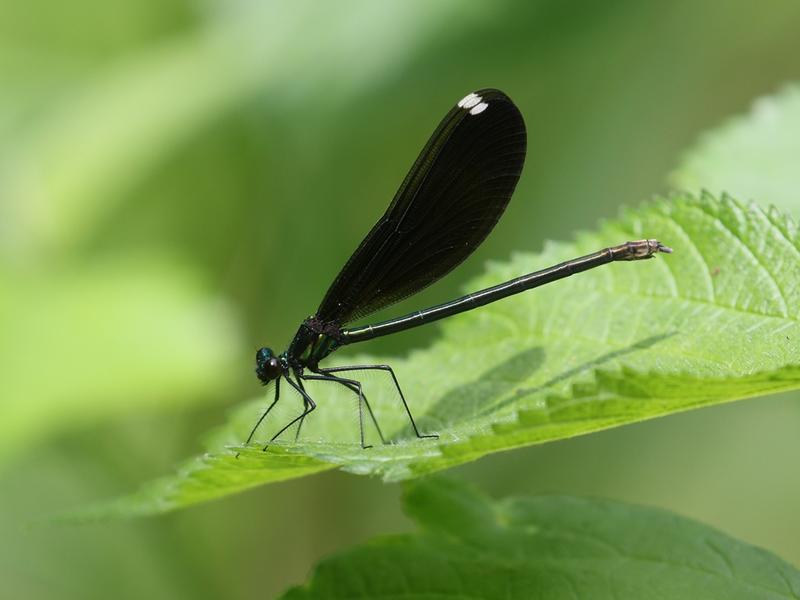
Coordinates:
(354, 389)
(396, 384)
(266, 412)
(354, 386)
(307, 402)
(305, 407)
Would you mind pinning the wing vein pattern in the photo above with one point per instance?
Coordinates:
(451, 199)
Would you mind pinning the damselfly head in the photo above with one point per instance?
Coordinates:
(268, 366)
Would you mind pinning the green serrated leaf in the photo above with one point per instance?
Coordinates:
(548, 547)
(753, 156)
(714, 322)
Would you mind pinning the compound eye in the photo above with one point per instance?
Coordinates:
(273, 367)
(268, 366)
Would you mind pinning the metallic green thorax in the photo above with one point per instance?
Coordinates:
(314, 341)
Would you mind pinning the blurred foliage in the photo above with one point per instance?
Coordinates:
(712, 323)
(547, 548)
(84, 343)
(192, 174)
(753, 156)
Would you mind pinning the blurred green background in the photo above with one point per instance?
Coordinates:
(180, 181)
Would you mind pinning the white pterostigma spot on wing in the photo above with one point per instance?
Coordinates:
(478, 109)
(469, 100)
(473, 103)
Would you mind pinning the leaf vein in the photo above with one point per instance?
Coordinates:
(754, 255)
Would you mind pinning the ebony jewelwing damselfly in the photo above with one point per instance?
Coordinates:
(448, 203)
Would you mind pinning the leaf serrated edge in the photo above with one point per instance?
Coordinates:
(603, 380)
